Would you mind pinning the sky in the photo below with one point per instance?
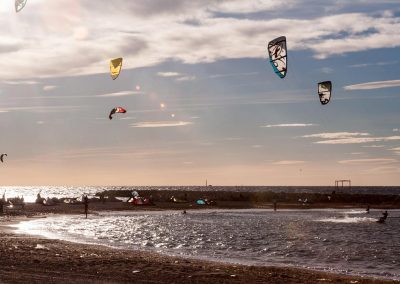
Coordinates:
(202, 99)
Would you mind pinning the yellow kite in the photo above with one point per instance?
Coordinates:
(115, 67)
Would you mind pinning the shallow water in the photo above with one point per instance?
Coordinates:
(345, 241)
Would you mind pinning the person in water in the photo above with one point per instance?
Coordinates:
(367, 210)
(384, 217)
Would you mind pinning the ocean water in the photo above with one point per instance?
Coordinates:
(343, 241)
(29, 192)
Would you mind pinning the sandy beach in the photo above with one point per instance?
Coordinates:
(36, 259)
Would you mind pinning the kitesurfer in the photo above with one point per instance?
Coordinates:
(384, 217)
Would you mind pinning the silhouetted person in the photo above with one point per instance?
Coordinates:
(184, 212)
(275, 205)
(367, 210)
(86, 202)
(384, 217)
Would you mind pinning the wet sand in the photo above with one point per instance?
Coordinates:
(34, 259)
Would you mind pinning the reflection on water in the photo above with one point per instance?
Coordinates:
(333, 240)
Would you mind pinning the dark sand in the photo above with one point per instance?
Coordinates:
(27, 259)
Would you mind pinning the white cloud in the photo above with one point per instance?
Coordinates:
(382, 63)
(70, 43)
(349, 138)
(156, 124)
(373, 146)
(22, 82)
(395, 130)
(368, 161)
(186, 78)
(289, 162)
(336, 135)
(358, 140)
(169, 74)
(177, 76)
(120, 94)
(49, 88)
(374, 85)
(289, 125)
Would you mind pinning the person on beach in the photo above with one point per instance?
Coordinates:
(86, 202)
(367, 210)
(275, 205)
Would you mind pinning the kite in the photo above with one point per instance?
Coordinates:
(324, 91)
(277, 51)
(2, 157)
(115, 67)
(19, 5)
(116, 110)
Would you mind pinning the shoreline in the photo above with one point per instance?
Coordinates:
(26, 257)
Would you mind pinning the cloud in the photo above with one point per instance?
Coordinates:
(155, 124)
(186, 78)
(367, 161)
(169, 74)
(336, 135)
(395, 149)
(49, 88)
(177, 76)
(349, 138)
(289, 125)
(382, 63)
(358, 140)
(289, 162)
(373, 85)
(373, 146)
(22, 82)
(120, 94)
(70, 43)
(45, 109)
(395, 130)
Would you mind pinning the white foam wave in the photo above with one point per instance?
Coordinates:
(348, 220)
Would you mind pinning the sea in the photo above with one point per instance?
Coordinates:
(336, 240)
(30, 192)
(346, 241)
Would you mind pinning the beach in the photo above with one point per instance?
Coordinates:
(36, 259)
